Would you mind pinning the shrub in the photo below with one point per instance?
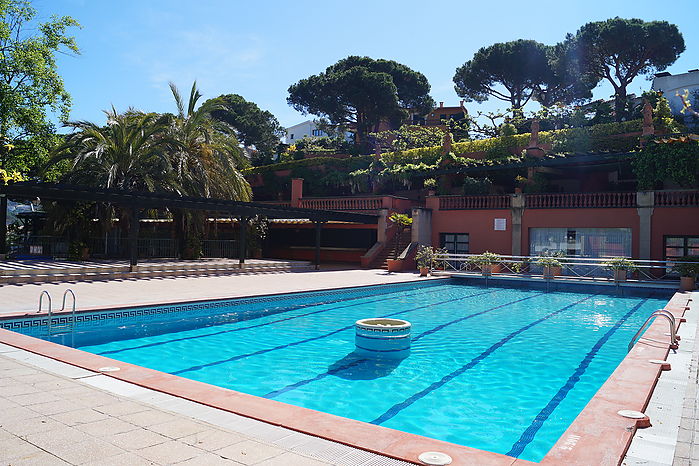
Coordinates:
(620, 263)
(687, 266)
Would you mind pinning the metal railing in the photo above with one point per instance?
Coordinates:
(227, 248)
(583, 268)
(659, 313)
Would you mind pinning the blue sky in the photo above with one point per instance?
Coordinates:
(131, 49)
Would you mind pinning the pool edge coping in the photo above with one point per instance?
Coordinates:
(629, 387)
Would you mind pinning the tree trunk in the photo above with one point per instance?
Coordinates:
(620, 103)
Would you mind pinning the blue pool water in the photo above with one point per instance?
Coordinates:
(500, 369)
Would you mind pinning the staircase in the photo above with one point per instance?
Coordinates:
(389, 251)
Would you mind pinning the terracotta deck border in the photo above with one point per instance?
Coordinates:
(597, 436)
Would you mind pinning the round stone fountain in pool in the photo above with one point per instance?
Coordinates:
(382, 337)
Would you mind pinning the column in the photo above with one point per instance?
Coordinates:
(3, 226)
(242, 240)
(421, 232)
(517, 205)
(319, 228)
(645, 201)
(133, 239)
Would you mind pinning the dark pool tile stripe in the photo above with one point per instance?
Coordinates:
(470, 316)
(319, 337)
(301, 383)
(221, 332)
(538, 422)
(428, 332)
(397, 408)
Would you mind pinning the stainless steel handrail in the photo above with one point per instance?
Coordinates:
(72, 314)
(41, 302)
(659, 313)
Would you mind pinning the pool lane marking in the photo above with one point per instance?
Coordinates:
(531, 431)
(319, 337)
(398, 407)
(430, 289)
(334, 371)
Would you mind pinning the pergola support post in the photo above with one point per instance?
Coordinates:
(3, 226)
(243, 240)
(319, 228)
(133, 239)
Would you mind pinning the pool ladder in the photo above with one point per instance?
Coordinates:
(659, 313)
(69, 325)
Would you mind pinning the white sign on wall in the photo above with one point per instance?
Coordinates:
(500, 224)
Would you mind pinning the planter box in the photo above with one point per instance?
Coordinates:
(490, 269)
(550, 272)
(621, 275)
(424, 271)
(394, 265)
(687, 283)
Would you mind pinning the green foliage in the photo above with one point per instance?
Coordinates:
(7, 177)
(687, 266)
(597, 138)
(430, 183)
(30, 87)
(657, 162)
(619, 50)
(427, 256)
(487, 258)
(548, 261)
(409, 137)
(662, 117)
(477, 185)
(251, 125)
(620, 263)
(359, 92)
(400, 220)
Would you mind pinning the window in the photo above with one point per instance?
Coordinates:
(292, 136)
(585, 242)
(317, 132)
(454, 243)
(680, 246)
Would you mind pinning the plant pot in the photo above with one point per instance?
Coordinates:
(84, 254)
(687, 283)
(394, 265)
(621, 275)
(424, 271)
(490, 269)
(550, 272)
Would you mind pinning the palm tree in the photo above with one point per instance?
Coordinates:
(207, 161)
(130, 152)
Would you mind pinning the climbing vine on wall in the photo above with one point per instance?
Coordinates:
(673, 161)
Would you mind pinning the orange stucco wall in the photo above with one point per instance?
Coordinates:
(479, 225)
(679, 221)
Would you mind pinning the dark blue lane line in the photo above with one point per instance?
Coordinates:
(428, 332)
(398, 407)
(325, 335)
(538, 422)
(301, 383)
(220, 332)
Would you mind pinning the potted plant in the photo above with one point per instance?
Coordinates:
(401, 221)
(426, 258)
(192, 249)
(551, 263)
(621, 267)
(688, 268)
(521, 266)
(488, 262)
(79, 251)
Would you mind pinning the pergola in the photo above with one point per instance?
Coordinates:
(136, 200)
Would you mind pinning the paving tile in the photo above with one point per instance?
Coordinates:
(87, 450)
(169, 452)
(14, 449)
(249, 452)
(148, 418)
(61, 436)
(18, 388)
(124, 459)
(213, 439)
(178, 428)
(80, 416)
(121, 408)
(29, 399)
(208, 459)
(55, 407)
(23, 427)
(17, 413)
(106, 427)
(137, 439)
(292, 459)
(96, 398)
(40, 458)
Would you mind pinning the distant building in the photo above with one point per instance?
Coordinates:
(437, 115)
(671, 84)
(306, 129)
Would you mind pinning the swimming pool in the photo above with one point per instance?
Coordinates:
(499, 369)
